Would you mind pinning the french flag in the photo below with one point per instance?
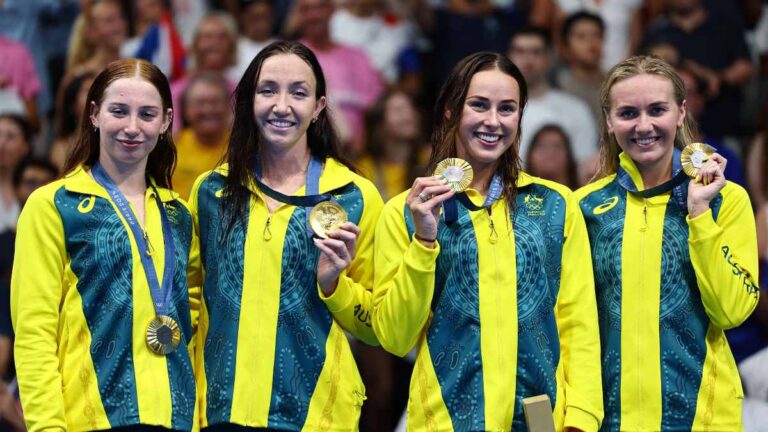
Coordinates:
(162, 46)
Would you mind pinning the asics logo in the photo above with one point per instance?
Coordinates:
(86, 205)
(606, 205)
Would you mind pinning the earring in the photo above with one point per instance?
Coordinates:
(314, 119)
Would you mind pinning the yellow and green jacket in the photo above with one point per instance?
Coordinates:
(503, 308)
(667, 286)
(80, 305)
(273, 352)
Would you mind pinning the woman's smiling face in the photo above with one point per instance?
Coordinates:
(644, 118)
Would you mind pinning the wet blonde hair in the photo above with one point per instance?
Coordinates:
(631, 67)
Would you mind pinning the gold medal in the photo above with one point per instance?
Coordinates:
(325, 217)
(457, 172)
(693, 157)
(163, 335)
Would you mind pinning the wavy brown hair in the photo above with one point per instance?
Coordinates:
(162, 160)
(451, 100)
(631, 67)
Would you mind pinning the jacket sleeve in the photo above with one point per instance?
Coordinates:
(405, 281)
(351, 302)
(724, 257)
(577, 324)
(196, 276)
(37, 290)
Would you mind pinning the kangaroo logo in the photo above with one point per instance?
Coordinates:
(606, 205)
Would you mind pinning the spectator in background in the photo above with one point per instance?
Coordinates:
(395, 143)
(70, 107)
(213, 50)
(696, 100)
(550, 157)
(15, 141)
(19, 82)
(464, 27)
(757, 161)
(713, 50)
(28, 176)
(623, 26)
(530, 50)
(749, 342)
(97, 37)
(353, 83)
(21, 21)
(207, 119)
(582, 46)
(255, 31)
(384, 37)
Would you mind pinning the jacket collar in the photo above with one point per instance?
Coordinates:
(629, 178)
(80, 181)
(334, 175)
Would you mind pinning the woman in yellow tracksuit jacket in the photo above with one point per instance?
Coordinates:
(673, 269)
(81, 296)
(276, 301)
(499, 299)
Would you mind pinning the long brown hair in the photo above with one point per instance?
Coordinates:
(631, 67)
(245, 142)
(162, 160)
(451, 100)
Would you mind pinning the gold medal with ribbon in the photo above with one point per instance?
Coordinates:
(163, 335)
(693, 157)
(325, 217)
(457, 172)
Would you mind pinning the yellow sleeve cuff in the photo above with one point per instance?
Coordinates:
(341, 298)
(420, 257)
(577, 418)
(702, 226)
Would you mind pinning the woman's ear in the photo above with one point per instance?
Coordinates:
(167, 120)
(94, 115)
(319, 107)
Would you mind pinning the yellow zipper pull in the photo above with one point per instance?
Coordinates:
(494, 235)
(267, 232)
(645, 217)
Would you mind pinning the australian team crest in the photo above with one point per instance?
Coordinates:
(534, 204)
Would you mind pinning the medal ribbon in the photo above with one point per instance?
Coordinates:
(312, 197)
(677, 184)
(161, 294)
(451, 211)
(665, 187)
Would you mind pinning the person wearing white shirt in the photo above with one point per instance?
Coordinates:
(530, 50)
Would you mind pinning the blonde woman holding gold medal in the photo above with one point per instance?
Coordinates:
(486, 270)
(675, 257)
(286, 231)
(102, 305)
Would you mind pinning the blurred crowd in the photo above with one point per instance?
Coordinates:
(384, 61)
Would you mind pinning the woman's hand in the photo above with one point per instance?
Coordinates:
(337, 252)
(707, 185)
(424, 202)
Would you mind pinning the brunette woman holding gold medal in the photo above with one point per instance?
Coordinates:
(101, 302)
(486, 269)
(675, 256)
(287, 246)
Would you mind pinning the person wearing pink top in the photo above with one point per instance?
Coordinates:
(19, 81)
(354, 85)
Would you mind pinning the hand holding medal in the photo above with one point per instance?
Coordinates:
(707, 169)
